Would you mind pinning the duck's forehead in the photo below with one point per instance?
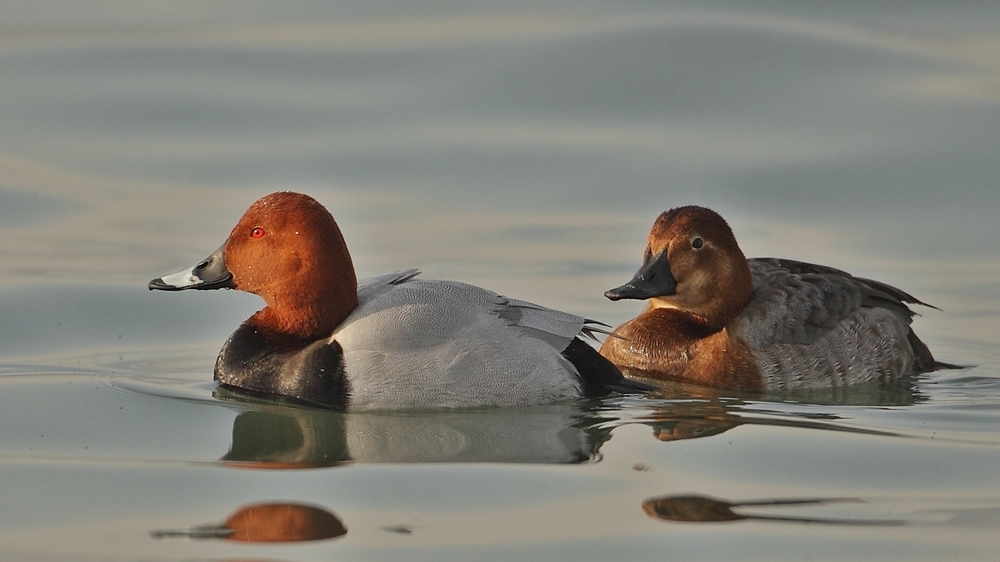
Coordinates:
(686, 221)
(269, 205)
(671, 225)
(276, 210)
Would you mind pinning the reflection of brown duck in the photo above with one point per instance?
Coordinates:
(680, 428)
(690, 508)
(681, 419)
(268, 522)
(702, 509)
(700, 416)
(691, 411)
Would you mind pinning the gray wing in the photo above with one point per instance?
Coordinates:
(556, 327)
(798, 303)
(413, 343)
(400, 290)
(371, 288)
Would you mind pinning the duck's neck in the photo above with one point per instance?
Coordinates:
(308, 315)
(734, 292)
(679, 327)
(678, 320)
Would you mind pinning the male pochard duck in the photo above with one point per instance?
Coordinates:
(394, 342)
(718, 319)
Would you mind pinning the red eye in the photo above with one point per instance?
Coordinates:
(257, 232)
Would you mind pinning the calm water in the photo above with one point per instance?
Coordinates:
(526, 149)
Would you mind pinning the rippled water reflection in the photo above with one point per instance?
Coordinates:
(526, 149)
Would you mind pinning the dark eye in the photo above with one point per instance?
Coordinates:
(257, 232)
(697, 242)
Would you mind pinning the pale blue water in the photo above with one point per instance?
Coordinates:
(526, 148)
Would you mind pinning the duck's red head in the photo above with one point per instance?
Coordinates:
(287, 249)
(692, 263)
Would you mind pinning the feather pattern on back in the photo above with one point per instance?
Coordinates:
(460, 342)
(807, 322)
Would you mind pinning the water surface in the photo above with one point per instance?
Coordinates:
(526, 148)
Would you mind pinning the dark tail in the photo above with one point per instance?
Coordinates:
(942, 366)
(598, 376)
(925, 362)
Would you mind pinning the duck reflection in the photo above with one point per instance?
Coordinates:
(903, 391)
(268, 523)
(690, 412)
(287, 438)
(681, 420)
(683, 423)
(273, 436)
(703, 509)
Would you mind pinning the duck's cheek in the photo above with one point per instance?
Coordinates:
(696, 288)
(293, 265)
(250, 278)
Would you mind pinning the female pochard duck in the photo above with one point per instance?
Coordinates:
(718, 319)
(394, 342)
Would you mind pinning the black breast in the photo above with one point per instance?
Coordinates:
(277, 367)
